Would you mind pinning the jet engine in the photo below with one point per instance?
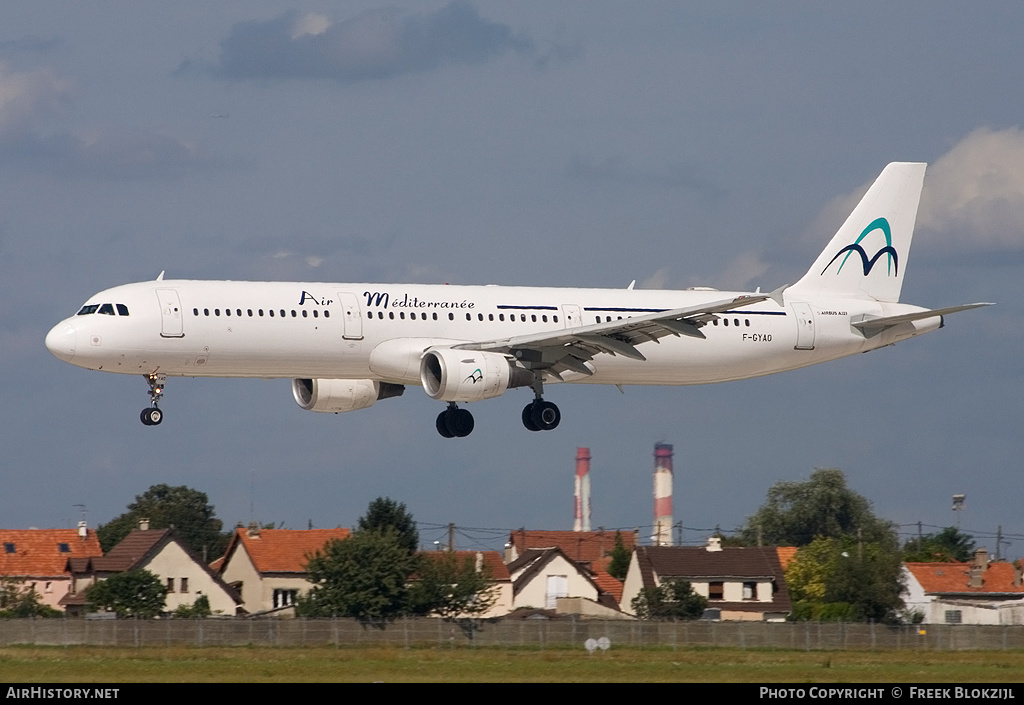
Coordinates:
(337, 395)
(469, 375)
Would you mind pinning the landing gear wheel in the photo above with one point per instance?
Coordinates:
(151, 417)
(442, 425)
(454, 422)
(528, 418)
(545, 415)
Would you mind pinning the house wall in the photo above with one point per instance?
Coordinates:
(173, 562)
(632, 585)
(50, 589)
(534, 593)
(240, 568)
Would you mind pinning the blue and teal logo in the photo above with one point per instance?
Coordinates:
(892, 262)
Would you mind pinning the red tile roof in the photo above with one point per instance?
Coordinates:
(593, 547)
(608, 584)
(491, 559)
(282, 550)
(952, 578)
(787, 554)
(37, 551)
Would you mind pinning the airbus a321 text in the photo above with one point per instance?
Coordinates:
(347, 346)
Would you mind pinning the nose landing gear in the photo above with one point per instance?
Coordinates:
(153, 416)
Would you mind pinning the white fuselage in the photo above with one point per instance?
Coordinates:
(380, 331)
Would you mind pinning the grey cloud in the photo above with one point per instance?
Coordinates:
(374, 45)
(30, 43)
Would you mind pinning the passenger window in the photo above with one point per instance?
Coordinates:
(533, 317)
(305, 313)
(249, 311)
(451, 316)
(107, 309)
(401, 314)
(490, 316)
(736, 322)
(555, 319)
(86, 310)
(271, 313)
(434, 315)
(227, 312)
(469, 317)
(544, 318)
(522, 317)
(260, 312)
(122, 310)
(282, 313)
(293, 313)
(206, 312)
(195, 312)
(316, 314)
(480, 316)
(501, 316)
(216, 312)
(327, 314)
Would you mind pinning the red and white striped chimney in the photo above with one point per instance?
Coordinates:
(582, 516)
(662, 495)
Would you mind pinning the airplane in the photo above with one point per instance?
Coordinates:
(348, 346)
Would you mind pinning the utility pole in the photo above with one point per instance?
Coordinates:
(451, 537)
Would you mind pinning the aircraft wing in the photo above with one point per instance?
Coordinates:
(872, 326)
(555, 352)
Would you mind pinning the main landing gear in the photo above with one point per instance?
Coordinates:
(454, 422)
(153, 416)
(538, 415)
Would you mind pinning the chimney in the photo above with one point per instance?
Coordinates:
(581, 520)
(978, 566)
(143, 524)
(479, 562)
(83, 530)
(714, 544)
(254, 530)
(1018, 574)
(662, 495)
(980, 559)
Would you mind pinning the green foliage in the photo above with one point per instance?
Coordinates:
(17, 602)
(945, 546)
(673, 599)
(619, 565)
(186, 509)
(796, 513)
(136, 593)
(385, 513)
(840, 579)
(197, 610)
(364, 576)
(451, 587)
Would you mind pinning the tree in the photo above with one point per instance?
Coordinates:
(364, 576)
(673, 599)
(184, 508)
(619, 565)
(17, 602)
(197, 610)
(796, 513)
(384, 513)
(945, 546)
(135, 593)
(450, 586)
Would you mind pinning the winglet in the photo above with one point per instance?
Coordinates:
(160, 276)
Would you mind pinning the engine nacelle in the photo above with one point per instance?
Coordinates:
(469, 375)
(337, 395)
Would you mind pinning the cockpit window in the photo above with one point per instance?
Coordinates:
(107, 309)
(90, 308)
(122, 310)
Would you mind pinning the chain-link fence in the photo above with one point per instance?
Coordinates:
(533, 634)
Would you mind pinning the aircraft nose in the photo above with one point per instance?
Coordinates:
(61, 341)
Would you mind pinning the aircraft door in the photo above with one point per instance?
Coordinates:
(170, 314)
(572, 315)
(353, 316)
(804, 326)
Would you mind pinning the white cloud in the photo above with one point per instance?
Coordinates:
(24, 96)
(974, 194)
(310, 24)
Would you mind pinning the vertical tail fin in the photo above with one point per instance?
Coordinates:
(868, 255)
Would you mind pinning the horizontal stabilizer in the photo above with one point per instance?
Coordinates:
(871, 326)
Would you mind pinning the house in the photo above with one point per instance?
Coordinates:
(161, 552)
(546, 578)
(591, 547)
(268, 566)
(36, 558)
(977, 592)
(500, 579)
(745, 583)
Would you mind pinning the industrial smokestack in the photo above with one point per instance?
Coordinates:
(662, 495)
(582, 516)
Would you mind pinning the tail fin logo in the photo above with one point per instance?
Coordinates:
(892, 264)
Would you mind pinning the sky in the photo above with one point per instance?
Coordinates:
(538, 143)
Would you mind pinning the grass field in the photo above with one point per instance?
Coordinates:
(85, 664)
